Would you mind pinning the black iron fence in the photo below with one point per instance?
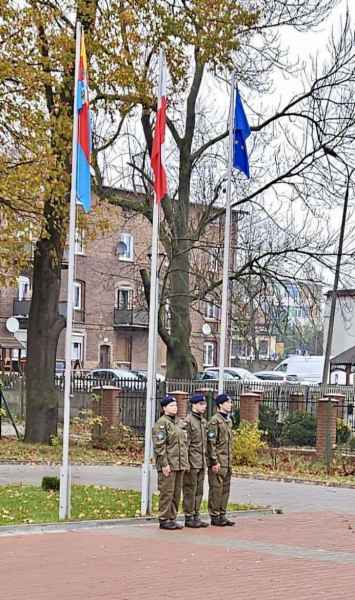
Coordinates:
(282, 399)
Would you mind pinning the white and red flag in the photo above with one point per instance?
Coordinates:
(157, 157)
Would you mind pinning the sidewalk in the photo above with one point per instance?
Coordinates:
(297, 556)
(288, 496)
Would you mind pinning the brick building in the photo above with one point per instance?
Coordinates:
(110, 327)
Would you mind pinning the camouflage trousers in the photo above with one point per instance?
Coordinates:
(218, 493)
(193, 491)
(170, 494)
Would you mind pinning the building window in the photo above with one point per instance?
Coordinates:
(79, 241)
(24, 288)
(211, 310)
(77, 295)
(124, 299)
(125, 248)
(239, 349)
(209, 354)
(213, 260)
(77, 349)
(264, 348)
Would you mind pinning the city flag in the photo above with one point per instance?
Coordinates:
(157, 157)
(83, 187)
(241, 133)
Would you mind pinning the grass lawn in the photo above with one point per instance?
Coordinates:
(12, 450)
(30, 504)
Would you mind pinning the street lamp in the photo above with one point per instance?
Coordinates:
(331, 152)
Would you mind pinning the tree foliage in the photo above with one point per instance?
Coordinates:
(204, 41)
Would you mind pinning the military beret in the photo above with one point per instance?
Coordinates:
(198, 398)
(222, 398)
(167, 400)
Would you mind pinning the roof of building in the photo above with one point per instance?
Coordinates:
(9, 342)
(344, 358)
(342, 293)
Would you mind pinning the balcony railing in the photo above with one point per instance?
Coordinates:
(130, 317)
(21, 308)
(78, 314)
(21, 311)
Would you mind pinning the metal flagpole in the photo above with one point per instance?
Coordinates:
(64, 495)
(146, 499)
(224, 311)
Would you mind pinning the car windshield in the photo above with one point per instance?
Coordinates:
(244, 374)
(213, 374)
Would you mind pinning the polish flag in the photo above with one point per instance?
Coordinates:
(157, 157)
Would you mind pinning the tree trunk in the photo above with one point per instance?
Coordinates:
(45, 325)
(181, 363)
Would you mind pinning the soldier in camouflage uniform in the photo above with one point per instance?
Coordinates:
(197, 452)
(219, 445)
(170, 450)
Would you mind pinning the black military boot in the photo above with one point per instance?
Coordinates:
(170, 525)
(190, 522)
(217, 522)
(198, 523)
(226, 522)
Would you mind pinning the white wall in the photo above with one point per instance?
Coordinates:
(344, 324)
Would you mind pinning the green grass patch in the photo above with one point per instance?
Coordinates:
(30, 504)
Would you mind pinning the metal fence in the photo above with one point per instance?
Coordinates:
(283, 398)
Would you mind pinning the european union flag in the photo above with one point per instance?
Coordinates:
(241, 133)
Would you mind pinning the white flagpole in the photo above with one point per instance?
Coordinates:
(146, 499)
(224, 311)
(64, 495)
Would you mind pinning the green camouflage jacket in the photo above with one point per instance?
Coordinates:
(170, 444)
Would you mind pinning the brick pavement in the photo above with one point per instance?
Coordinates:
(300, 556)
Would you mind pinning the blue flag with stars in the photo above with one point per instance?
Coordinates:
(241, 133)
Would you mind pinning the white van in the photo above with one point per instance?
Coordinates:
(308, 369)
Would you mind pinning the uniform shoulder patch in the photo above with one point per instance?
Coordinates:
(211, 434)
(160, 436)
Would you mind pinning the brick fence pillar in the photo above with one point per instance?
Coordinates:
(297, 402)
(340, 398)
(249, 406)
(106, 405)
(182, 399)
(326, 427)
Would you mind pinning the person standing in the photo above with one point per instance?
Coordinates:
(197, 454)
(219, 445)
(170, 450)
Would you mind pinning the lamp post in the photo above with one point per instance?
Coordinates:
(331, 152)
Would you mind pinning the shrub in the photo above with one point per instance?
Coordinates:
(50, 483)
(247, 441)
(269, 425)
(343, 432)
(118, 437)
(299, 429)
(352, 443)
(235, 418)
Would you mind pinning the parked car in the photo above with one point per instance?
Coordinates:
(144, 373)
(116, 377)
(307, 368)
(238, 373)
(273, 377)
(230, 374)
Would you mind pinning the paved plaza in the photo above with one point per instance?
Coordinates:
(298, 556)
(307, 553)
